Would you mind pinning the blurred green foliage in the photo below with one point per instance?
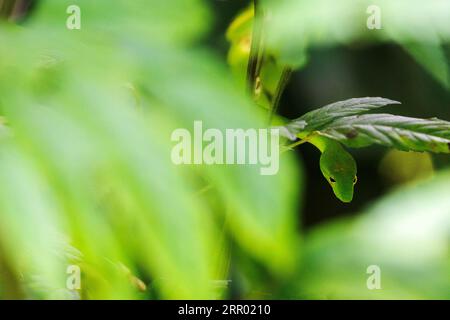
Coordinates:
(399, 167)
(406, 235)
(94, 161)
(86, 177)
(421, 27)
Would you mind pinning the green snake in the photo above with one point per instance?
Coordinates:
(337, 166)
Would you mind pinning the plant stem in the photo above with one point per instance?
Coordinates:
(297, 143)
(284, 79)
(256, 51)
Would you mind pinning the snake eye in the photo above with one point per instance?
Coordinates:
(332, 180)
(355, 179)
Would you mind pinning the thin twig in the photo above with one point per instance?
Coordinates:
(256, 51)
(297, 143)
(284, 79)
(204, 190)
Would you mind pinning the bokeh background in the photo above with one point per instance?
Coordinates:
(86, 180)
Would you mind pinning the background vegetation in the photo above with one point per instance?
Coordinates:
(85, 170)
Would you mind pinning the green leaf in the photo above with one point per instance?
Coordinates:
(91, 115)
(300, 25)
(65, 116)
(432, 58)
(320, 118)
(241, 26)
(24, 194)
(249, 196)
(398, 132)
(114, 22)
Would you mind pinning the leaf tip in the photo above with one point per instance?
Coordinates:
(390, 101)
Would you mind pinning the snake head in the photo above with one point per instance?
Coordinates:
(339, 168)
